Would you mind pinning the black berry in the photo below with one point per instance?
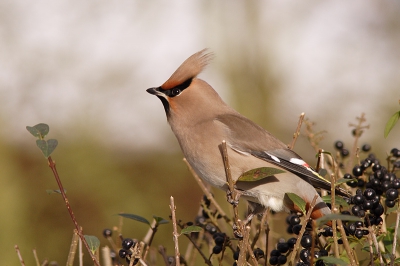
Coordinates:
(392, 194)
(366, 147)
(217, 249)
(107, 232)
(339, 145)
(306, 241)
(127, 243)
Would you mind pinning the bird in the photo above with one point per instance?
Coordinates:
(201, 120)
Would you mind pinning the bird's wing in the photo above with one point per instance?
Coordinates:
(245, 136)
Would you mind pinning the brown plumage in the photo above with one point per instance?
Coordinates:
(201, 120)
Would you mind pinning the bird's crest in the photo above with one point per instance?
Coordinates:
(189, 69)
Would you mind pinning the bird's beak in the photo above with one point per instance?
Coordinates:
(154, 91)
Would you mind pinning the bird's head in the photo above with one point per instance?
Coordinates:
(183, 94)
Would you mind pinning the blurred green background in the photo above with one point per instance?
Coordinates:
(83, 67)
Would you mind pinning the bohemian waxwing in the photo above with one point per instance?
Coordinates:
(201, 120)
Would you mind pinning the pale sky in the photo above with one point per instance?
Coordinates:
(91, 62)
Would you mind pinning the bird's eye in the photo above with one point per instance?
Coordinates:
(175, 91)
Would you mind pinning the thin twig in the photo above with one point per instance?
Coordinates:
(250, 250)
(72, 249)
(21, 260)
(162, 251)
(319, 160)
(232, 194)
(243, 246)
(52, 166)
(297, 132)
(206, 260)
(266, 234)
(36, 257)
(373, 236)
(346, 243)
(207, 192)
(396, 228)
(106, 255)
(334, 209)
(303, 229)
(175, 232)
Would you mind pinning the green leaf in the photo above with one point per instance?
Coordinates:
(338, 200)
(191, 229)
(388, 242)
(160, 220)
(334, 216)
(322, 172)
(135, 217)
(93, 242)
(333, 260)
(390, 210)
(390, 124)
(299, 202)
(57, 191)
(47, 146)
(259, 173)
(343, 180)
(39, 130)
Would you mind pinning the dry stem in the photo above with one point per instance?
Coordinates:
(297, 132)
(175, 232)
(21, 260)
(303, 229)
(52, 166)
(207, 193)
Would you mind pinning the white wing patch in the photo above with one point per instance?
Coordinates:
(273, 157)
(299, 162)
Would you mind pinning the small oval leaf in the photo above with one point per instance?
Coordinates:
(57, 191)
(191, 229)
(42, 144)
(51, 146)
(391, 123)
(47, 147)
(160, 220)
(135, 217)
(299, 202)
(338, 200)
(334, 216)
(33, 131)
(333, 260)
(43, 129)
(93, 242)
(259, 173)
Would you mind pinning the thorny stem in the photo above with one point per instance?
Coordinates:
(175, 232)
(297, 132)
(303, 229)
(52, 166)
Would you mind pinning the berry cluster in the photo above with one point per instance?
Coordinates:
(127, 250)
(220, 240)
